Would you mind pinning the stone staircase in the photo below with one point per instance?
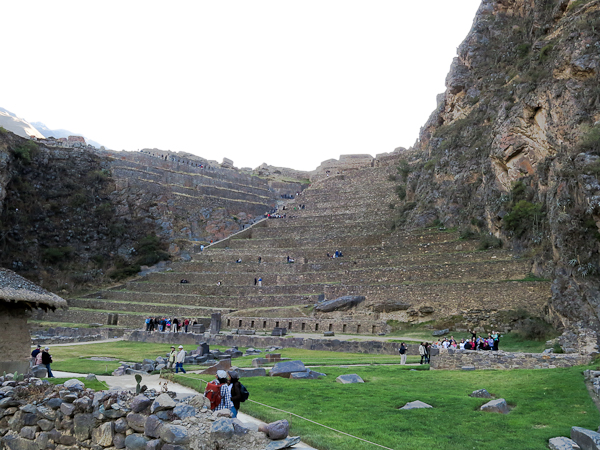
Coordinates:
(406, 276)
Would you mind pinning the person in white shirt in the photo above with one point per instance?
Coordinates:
(180, 360)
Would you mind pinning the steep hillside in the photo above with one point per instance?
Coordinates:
(9, 121)
(513, 149)
(71, 217)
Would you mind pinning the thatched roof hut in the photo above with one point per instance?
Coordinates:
(18, 296)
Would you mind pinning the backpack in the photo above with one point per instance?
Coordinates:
(213, 393)
(244, 392)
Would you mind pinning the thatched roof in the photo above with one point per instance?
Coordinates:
(15, 288)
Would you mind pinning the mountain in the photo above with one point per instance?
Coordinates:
(20, 127)
(60, 133)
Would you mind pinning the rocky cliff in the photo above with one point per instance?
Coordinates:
(72, 217)
(512, 152)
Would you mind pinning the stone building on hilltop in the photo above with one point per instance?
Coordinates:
(18, 297)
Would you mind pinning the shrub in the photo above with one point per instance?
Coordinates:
(590, 140)
(487, 241)
(430, 165)
(3, 131)
(391, 177)
(57, 254)
(26, 151)
(535, 329)
(404, 169)
(522, 217)
(545, 52)
(467, 233)
(401, 191)
(523, 50)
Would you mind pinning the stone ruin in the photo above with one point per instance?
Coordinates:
(36, 415)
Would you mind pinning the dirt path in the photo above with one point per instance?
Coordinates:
(105, 341)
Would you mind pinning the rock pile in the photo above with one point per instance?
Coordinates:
(37, 415)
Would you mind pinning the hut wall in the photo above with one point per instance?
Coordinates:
(15, 341)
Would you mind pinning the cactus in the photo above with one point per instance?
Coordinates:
(138, 388)
(18, 376)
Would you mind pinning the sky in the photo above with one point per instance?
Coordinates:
(289, 83)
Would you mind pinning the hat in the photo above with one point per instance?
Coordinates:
(39, 346)
(47, 348)
(233, 374)
(172, 346)
(181, 346)
(221, 374)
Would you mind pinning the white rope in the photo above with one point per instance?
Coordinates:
(300, 417)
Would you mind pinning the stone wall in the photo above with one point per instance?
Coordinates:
(450, 359)
(332, 345)
(63, 335)
(307, 324)
(14, 338)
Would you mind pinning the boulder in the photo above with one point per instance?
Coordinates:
(417, 404)
(69, 398)
(135, 441)
(74, 385)
(349, 379)
(498, 406)
(83, 424)
(254, 372)
(155, 444)
(182, 411)
(91, 377)
(586, 439)
(440, 332)
(199, 401)
(276, 430)
(119, 440)
(42, 440)
(340, 304)
(328, 333)
(67, 408)
(174, 434)
(222, 428)
(28, 432)
(39, 371)
(103, 435)
(308, 375)
(257, 362)
(152, 427)
(221, 365)
(480, 393)
(562, 443)
(14, 442)
(136, 421)
(284, 369)
(162, 403)
(284, 443)
(82, 404)
(121, 425)
(54, 403)
(45, 425)
(140, 403)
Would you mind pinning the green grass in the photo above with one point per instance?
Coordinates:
(75, 358)
(545, 404)
(95, 384)
(45, 324)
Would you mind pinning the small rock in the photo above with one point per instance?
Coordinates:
(152, 426)
(162, 403)
(480, 393)
(183, 411)
(285, 443)
(135, 442)
(222, 428)
(28, 432)
(417, 404)
(349, 379)
(103, 435)
(136, 421)
(74, 385)
(174, 434)
(119, 440)
(562, 443)
(140, 403)
(498, 406)
(284, 369)
(276, 430)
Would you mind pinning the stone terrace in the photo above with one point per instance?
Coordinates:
(427, 274)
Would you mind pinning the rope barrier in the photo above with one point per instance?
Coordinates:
(298, 416)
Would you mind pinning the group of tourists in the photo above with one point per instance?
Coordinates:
(336, 254)
(176, 359)
(41, 356)
(475, 343)
(226, 392)
(166, 324)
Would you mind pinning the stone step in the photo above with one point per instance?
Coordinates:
(143, 307)
(253, 300)
(251, 267)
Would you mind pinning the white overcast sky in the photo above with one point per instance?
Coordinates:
(290, 83)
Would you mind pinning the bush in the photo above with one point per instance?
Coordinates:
(535, 329)
(467, 233)
(545, 52)
(401, 191)
(3, 131)
(590, 141)
(523, 50)
(522, 216)
(430, 165)
(26, 151)
(487, 241)
(404, 169)
(391, 177)
(57, 254)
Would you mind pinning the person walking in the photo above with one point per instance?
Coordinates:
(402, 351)
(236, 391)
(172, 357)
(47, 360)
(180, 360)
(225, 391)
(260, 282)
(422, 351)
(186, 323)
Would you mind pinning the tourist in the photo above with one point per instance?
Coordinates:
(225, 392)
(47, 360)
(259, 259)
(148, 321)
(422, 351)
(201, 247)
(402, 351)
(255, 281)
(180, 360)
(496, 339)
(35, 352)
(172, 357)
(175, 325)
(235, 390)
(260, 282)
(186, 322)
(427, 353)
(168, 325)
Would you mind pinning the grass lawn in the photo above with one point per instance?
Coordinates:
(74, 358)
(96, 384)
(545, 404)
